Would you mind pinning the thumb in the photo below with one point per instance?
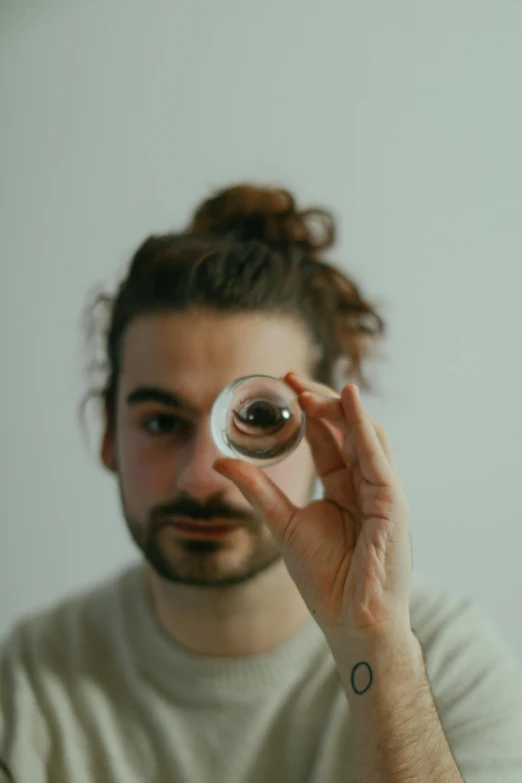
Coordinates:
(261, 492)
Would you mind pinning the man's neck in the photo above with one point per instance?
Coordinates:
(250, 619)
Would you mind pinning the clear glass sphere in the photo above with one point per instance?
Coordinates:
(257, 419)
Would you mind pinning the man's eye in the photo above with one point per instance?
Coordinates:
(163, 424)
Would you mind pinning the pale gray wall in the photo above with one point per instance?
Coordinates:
(117, 117)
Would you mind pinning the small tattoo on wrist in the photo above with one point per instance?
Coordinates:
(368, 677)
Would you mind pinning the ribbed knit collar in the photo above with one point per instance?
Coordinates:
(181, 671)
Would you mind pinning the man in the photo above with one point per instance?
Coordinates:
(265, 637)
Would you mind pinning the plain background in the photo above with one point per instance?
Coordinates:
(405, 118)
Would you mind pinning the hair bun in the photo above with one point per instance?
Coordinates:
(249, 212)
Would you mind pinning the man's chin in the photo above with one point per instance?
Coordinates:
(203, 573)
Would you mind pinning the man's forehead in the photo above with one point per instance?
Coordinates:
(196, 354)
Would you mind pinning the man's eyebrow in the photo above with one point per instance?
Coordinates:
(157, 394)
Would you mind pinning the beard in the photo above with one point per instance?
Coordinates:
(194, 561)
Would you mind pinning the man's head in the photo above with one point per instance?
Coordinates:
(241, 292)
(173, 366)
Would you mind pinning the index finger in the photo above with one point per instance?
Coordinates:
(364, 439)
(300, 384)
(320, 400)
(375, 466)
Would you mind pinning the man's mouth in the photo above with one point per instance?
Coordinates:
(200, 528)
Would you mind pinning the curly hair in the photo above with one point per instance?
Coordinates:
(246, 248)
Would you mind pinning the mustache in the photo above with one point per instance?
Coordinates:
(189, 507)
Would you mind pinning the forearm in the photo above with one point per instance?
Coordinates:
(398, 737)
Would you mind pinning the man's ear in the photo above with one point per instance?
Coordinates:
(108, 444)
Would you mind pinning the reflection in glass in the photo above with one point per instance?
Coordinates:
(257, 419)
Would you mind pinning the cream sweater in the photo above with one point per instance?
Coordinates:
(93, 691)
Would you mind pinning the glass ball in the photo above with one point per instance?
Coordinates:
(257, 419)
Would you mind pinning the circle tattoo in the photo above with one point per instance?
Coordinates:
(370, 677)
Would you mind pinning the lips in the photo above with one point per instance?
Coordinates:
(200, 524)
(201, 530)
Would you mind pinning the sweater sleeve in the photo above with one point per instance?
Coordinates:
(476, 683)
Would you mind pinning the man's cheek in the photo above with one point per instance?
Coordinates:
(143, 469)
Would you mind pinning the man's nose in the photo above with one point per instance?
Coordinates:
(196, 476)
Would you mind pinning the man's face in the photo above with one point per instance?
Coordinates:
(173, 366)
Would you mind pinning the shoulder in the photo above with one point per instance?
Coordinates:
(453, 628)
(59, 636)
(54, 664)
(474, 675)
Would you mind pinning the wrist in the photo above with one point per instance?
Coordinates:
(369, 664)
